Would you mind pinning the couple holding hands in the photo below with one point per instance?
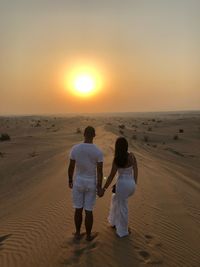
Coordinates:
(87, 159)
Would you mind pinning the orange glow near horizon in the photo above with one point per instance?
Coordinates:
(83, 81)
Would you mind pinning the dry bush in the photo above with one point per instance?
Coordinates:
(121, 132)
(4, 137)
(2, 154)
(78, 130)
(121, 126)
(181, 131)
(176, 137)
(37, 124)
(134, 137)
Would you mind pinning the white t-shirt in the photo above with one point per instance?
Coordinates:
(86, 156)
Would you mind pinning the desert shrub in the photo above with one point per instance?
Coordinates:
(78, 130)
(146, 138)
(134, 137)
(4, 137)
(121, 132)
(149, 129)
(38, 124)
(121, 126)
(32, 154)
(175, 137)
(181, 131)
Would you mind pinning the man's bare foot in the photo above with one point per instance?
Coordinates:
(77, 236)
(92, 236)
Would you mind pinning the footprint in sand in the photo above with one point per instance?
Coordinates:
(86, 248)
(2, 154)
(151, 240)
(149, 236)
(152, 259)
(144, 254)
(75, 249)
(2, 239)
(72, 240)
(149, 253)
(74, 255)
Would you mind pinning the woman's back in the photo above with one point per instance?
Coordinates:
(128, 169)
(125, 171)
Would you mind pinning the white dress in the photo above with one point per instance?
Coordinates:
(125, 187)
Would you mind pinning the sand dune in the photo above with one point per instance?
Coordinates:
(36, 215)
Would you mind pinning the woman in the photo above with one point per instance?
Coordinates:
(126, 165)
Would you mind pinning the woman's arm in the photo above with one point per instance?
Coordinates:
(135, 168)
(111, 176)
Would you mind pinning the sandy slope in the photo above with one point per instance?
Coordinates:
(36, 217)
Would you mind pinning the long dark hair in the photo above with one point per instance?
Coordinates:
(121, 152)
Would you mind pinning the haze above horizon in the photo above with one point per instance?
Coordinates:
(140, 55)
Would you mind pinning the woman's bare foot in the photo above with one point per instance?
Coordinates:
(129, 232)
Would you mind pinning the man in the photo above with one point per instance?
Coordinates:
(88, 159)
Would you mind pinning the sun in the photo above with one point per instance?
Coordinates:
(83, 80)
(84, 84)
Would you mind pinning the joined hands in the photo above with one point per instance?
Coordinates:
(100, 192)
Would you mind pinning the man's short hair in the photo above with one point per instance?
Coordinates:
(89, 132)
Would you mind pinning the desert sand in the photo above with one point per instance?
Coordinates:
(36, 214)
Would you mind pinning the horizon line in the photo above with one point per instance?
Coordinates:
(97, 113)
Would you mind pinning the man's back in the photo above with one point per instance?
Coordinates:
(86, 156)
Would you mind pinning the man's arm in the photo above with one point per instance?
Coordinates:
(71, 172)
(99, 175)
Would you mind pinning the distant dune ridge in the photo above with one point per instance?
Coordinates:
(36, 214)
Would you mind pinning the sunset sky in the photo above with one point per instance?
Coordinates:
(145, 52)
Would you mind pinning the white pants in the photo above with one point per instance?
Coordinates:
(118, 215)
(84, 192)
